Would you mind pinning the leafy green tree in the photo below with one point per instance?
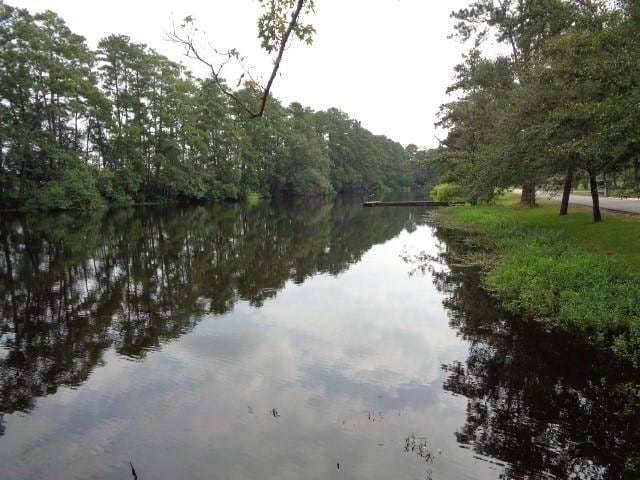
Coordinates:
(123, 76)
(563, 100)
(360, 160)
(219, 158)
(423, 166)
(480, 145)
(308, 162)
(48, 93)
(125, 124)
(596, 120)
(523, 26)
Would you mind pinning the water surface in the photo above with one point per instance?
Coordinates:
(313, 340)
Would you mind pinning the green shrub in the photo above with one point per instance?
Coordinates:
(625, 193)
(311, 182)
(74, 188)
(119, 187)
(449, 192)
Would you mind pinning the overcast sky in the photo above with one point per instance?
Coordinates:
(384, 62)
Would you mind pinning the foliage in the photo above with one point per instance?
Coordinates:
(565, 99)
(272, 24)
(148, 131)
(449, 192)
(625, 193)
(73, 188)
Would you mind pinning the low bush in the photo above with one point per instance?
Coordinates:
(449, 192)
(625, 193)
(74, 188)
(119, 187)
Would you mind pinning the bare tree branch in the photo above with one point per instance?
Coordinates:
(192, 52)
(187, 40)
(283, 46)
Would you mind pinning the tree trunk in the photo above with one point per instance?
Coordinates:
(636, 171)
(564, 205)
(528, 198)
(595, 198)
(1, 171)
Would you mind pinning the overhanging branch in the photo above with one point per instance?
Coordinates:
(191, 51)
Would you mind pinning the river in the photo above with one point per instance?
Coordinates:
(315, 340)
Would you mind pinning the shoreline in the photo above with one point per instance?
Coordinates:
(566, 272)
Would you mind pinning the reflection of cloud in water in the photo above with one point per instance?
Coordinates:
(384, 333)
(204, 403)
(387, 335)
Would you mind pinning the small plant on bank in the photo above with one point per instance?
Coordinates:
(449, 192)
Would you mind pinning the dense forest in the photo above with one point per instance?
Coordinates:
(561, 106)
(124, 124)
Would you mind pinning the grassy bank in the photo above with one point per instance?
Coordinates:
(566, 271)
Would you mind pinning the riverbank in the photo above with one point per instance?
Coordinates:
(567, 272)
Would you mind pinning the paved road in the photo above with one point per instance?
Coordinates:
(626, 205)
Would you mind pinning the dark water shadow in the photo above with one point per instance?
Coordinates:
(541, 401)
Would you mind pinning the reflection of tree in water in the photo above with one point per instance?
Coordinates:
(541, 401)
(74, 286)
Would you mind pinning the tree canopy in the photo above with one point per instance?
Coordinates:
(125, 124)
(564, 100)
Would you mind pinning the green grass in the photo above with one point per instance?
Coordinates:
(565, 271)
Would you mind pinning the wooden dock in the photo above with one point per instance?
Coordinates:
(409, 203)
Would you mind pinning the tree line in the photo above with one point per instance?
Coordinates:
(124, 124)
(560, 108)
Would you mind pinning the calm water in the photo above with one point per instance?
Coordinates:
(300, 341)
